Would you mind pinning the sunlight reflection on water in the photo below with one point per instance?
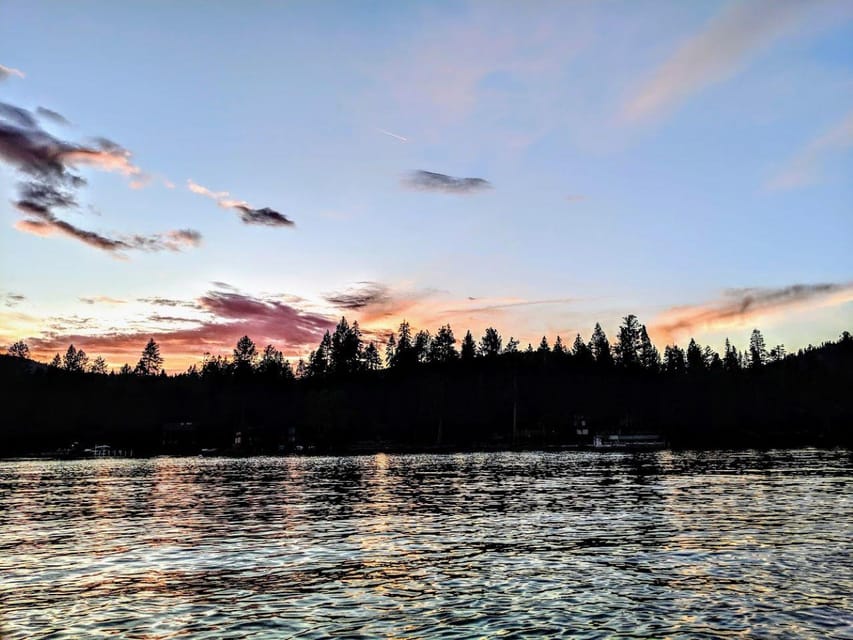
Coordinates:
(752, 544)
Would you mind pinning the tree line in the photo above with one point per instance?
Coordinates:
(344, 351)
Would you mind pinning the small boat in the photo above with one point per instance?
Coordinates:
(628, 441)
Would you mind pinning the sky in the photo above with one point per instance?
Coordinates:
(195, 171)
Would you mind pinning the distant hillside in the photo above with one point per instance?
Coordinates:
(11, 365)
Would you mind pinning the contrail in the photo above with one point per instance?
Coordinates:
(393, 135)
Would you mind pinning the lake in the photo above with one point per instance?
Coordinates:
(591, 545)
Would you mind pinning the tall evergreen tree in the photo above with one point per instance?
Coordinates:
(628, 344)
(673, 360)
(75, 360)
(320, 360)
(757, 350)
(372, 359)
(390, 351)
(245, 357)
(649, 355)
(490, 343)
(695, 359)
(442, 348)
(731, 362)
(56, 363)
(469, 348)
(422, 345)
(151, 362)
(600, 348)
(582, 355)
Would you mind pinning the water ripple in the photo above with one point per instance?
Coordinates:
(693, 544)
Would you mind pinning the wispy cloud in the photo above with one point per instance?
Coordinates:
(503, 304)
(101, 300)
(51, 184)
(805, 168)
(714, 54)
(430, 181)
(738, 307)
(7, 72)
(248, 214)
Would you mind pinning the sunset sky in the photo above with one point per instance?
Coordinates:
(196, 171)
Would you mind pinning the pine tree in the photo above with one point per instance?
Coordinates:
(511, 346)
(19, 349)
(583, 356)
(99, 366)
(649, 355)
(600, 347)
(150, 363)
(272, 364)
(469, 348)
(757, 350)
(695, 359)
(56, 363)
(372, 359)
(628, 345)
(391, 351)
(75, 361)
(422, 345)
(730, 358)
(490, 343)
(673, 360)
(442, 348)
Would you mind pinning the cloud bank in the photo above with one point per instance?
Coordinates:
(439, 182)
(248, 214)
(226, 316)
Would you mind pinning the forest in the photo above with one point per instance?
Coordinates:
(421, 392)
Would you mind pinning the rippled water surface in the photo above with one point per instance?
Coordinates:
(713, 544)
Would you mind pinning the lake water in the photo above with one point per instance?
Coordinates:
(713, 544)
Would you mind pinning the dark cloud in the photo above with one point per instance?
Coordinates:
(50, 114)
(430, 181)
(52, 183)
(367, 294)
(249, 215)
(17, 115)
(742, 305)
(266, 216)
(169, 302)
(13, 299)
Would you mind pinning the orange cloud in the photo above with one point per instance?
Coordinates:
(747, 306)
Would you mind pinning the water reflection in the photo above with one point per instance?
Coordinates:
(591, 545)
